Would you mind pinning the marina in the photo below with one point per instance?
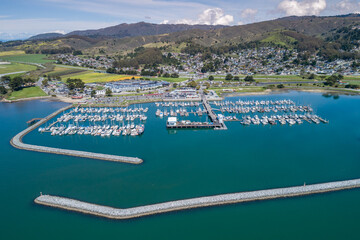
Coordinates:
(17, 142)
(104, 122)
(185, 165)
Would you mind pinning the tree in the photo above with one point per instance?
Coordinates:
(166, 75)
(229, 77)
(3, 90)
(108, 92)
(192, 84)
(16, 83)
(77, 52)
(45, 82)
(236, 78)
(175, 85)
(280, 86)
(174, 75)
(312, 76)
(111, 70)
(249, 79)
(333, 79)
(5, 79)
(211, 78)
(75, 84)
(93, 93)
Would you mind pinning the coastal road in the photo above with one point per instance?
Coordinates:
(5, 74)
(286, 82)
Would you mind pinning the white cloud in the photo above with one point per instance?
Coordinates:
(302, 8)
(211, 16)
(347, 6)
(249, 13)
(59, 31)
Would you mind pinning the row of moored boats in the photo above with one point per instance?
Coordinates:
(103, 131)
(281, 119)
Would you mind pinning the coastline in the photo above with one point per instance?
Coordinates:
(224, 95)
(275, 91)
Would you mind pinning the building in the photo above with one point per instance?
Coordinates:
(171, 121)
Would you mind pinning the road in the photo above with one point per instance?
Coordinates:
(5, 74)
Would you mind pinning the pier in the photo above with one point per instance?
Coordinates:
(117, 213)
(17, 143)
(219, 125)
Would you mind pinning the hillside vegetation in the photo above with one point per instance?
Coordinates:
(310, 33)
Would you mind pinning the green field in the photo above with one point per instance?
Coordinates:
(16, 67)
(92, 77)
(27, 93)
(172, 80)
(29, 58)
(357, 82)
(61, 71)
(11, 53)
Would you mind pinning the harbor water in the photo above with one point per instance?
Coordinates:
(180, 164)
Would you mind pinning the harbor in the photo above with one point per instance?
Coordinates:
(223, 199)
(185, 165)
(104, 122)
(17, 142)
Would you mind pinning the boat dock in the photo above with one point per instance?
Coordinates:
(188, 125)
(18, 143)
(215, 123)
(117, 213)
(219, 125)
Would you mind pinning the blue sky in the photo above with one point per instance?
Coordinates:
(23, 18)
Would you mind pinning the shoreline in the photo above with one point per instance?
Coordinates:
(275, 91)
(200, 202)
(224, 95)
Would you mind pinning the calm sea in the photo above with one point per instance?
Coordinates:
(186, 164)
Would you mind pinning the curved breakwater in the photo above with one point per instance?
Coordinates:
(116, 213)
(17, 143)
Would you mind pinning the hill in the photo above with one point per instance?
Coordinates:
(305, 33)
(46, 36)
(128, 30)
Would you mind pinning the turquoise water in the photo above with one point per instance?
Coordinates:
(186, 164)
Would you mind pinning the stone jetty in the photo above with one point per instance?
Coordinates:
(17, 143)
(116, 213)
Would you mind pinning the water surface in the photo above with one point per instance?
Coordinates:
(185, 164)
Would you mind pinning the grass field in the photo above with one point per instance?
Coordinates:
(11, 53)
(29, 58)
(61, 71)
(357, 82)
(27, 93)
(15, 67)
(172, 80)
(91, 77)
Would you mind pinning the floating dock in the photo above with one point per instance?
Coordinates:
(215, 122)
(116, 213)
(219, 125)
(17, 143)
(203, 125)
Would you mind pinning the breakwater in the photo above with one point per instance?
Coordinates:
(116, 213)
(18, 143)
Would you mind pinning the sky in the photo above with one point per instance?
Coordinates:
(20, 19)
